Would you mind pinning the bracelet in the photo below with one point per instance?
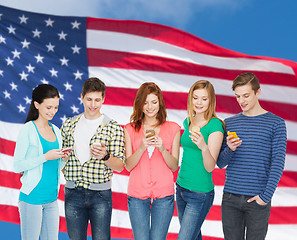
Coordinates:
(106, 157)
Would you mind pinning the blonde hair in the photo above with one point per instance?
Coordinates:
(210, 112)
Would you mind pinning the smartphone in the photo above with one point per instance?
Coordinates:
(149, 133)
(97, 144)
(66, 150)
(232, 134)
(195, 129)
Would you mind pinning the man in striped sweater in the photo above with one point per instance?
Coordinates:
(255, 162)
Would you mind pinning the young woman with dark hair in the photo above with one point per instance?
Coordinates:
(152, 151)
(39, 159)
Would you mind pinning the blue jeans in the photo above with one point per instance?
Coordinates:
(150, 220)
(39, 220)
(241, 218)
(192, 208)
(82, 205)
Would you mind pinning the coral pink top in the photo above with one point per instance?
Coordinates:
(151, 177)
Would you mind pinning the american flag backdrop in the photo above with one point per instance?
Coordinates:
(64, 51)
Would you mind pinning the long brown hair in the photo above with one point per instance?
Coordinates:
(140, 98)
(210, 112)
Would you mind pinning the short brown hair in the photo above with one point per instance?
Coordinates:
(246, 78)
(141, 95)
(93, 84)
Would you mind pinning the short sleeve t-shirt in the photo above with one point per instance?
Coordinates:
(192, 174)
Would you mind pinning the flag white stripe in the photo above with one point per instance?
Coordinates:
(136, 44)
(172, 82)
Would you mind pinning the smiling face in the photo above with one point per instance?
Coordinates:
(247, 98)
(48, 108)
(151, 106)
(200, 101)
(92, 102)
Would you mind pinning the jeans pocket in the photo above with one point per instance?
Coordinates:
(227, 196)
(258, 205)
(105, 195)
(68, 192)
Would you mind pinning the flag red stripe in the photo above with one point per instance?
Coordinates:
(9, 214)
(7, 147)
(124, 233)
(10, 179)
(283, 215)
(291, 147)
(136, 61)
(162, 33)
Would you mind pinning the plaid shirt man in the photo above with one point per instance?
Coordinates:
(94, 171)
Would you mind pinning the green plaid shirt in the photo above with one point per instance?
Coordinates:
(94, 170)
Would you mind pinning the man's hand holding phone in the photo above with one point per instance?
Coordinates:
(233, 141)
(98, 150)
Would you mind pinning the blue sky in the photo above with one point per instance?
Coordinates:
(255, 27)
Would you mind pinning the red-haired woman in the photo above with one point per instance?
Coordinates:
(152, 151)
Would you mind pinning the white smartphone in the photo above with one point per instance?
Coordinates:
(97, 144)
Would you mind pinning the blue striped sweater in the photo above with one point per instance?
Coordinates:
(256, 166)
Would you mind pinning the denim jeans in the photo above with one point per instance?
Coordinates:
(39, 220)
(241, 218)
(150, 220)
(82, 205)
(192, 208)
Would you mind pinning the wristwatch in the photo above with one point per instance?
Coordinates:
(106, 157)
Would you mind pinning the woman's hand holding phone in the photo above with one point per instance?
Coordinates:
(66, 151)
(54, 154)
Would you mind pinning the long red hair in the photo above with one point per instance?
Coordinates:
(140, 98)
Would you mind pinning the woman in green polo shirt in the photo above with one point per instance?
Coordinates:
(201, 142)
